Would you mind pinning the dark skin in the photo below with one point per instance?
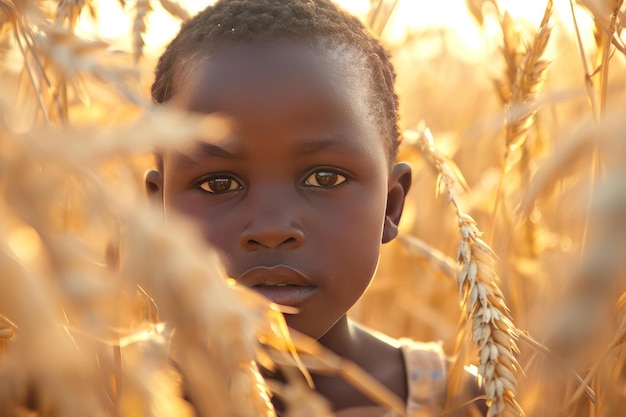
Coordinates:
(302, 182)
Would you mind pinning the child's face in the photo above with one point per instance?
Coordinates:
(295, 197)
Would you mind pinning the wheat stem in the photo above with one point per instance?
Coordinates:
(530, 341)
(606, 47)
(142, 9)
(615, 342)
(29, 71)
(380, 15)
(527, 79)
(7, 332)
(604, 78)
(581, 51)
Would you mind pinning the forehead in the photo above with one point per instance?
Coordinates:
(257, 79)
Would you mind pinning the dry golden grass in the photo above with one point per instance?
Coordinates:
(92, 282)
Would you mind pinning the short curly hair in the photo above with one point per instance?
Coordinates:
(237, 21)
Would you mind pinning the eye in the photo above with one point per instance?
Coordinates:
(220, 185)
(324, 178)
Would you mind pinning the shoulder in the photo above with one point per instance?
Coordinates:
(381, 356)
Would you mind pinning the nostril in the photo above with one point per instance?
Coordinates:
(266, 235)
(252, 242)
(271, 243)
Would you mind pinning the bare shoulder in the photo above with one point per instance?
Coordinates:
(381, 356)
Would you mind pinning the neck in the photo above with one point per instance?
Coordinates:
(340, 338)
(379, 358)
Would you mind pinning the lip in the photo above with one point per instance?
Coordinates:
(280, 284)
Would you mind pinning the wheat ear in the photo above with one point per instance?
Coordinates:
(529, 79)
(142, 9)
(526, 72)
(70, 10)
(175, 9)
(493, 331)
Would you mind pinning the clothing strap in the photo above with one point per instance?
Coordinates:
(426, 378)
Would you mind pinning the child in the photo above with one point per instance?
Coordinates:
(299, 196)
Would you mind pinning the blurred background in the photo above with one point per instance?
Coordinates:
(525, 100)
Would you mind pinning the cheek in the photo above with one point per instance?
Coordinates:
(354, 238)
(366, 213)
(185, 204)
(215, 223)
(219, 236)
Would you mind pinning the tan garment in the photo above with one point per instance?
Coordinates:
(426, 378)
(426, 382)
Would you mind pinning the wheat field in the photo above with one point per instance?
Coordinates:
(512, 247)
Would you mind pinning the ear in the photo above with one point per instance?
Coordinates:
(399, 185)
(154, 186)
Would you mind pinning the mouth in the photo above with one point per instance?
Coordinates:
(280, 284)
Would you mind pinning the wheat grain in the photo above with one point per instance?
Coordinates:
(492, 328)
(526, 72)
(475, 7)
(175, 9)
(512, 50)
(70, 55)
(70, 11)
(142, 10)
(530, 75)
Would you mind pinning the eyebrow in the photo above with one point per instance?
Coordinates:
(206, 150)
(330, 144)
(212, 150)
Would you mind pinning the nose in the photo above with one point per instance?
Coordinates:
(273, 224)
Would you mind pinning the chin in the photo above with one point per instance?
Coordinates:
(306, 326)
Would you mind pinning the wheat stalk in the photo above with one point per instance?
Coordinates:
(7, 328)
(20, 21)
(317, 358)
(31, 370)
(437, 260)
(492, 328)
(142, 9)
(54, 57)
(70, 10)
(530, 75)
(379, 14)
(181, 286)
(526, 72)
(512, 51)
(7, 332)
(175, 9)
(612, 9)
